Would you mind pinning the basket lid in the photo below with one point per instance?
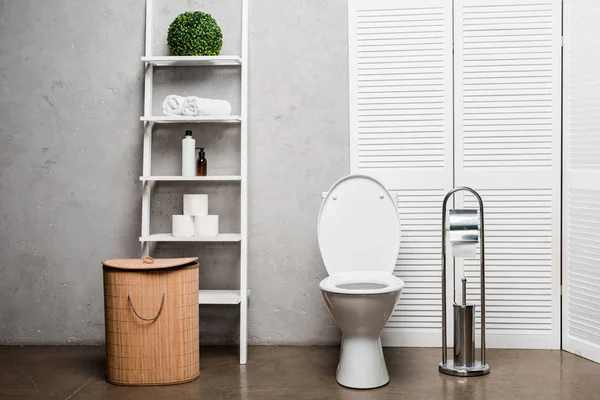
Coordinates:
(148, 263)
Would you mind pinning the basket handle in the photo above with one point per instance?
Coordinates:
(162, 303)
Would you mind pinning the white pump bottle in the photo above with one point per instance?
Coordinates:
(188, 155)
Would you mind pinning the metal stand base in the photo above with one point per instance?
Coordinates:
(476, 369)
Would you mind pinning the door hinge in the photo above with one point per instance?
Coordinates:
(453, 45)
(561, 290)
(562, 41)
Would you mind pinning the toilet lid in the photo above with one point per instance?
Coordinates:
(358, 227)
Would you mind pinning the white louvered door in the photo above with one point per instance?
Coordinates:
(507, 147)
(400, 67)
(581, 166)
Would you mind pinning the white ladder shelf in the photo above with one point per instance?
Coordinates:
(148, 240)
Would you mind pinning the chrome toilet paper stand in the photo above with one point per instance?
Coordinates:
(464, 363)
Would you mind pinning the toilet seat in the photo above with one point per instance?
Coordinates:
(358, 227)
(362, 282)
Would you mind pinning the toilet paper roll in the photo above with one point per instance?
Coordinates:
(463, 250)
(183, 225)
(195, 204)
(206, 225)
(463, 233)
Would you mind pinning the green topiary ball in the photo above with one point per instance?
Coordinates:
(194, 34)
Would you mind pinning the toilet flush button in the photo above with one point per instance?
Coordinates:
(334, 197)
(381, 196)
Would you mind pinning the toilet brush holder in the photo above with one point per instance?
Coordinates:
(464, 332)
(463, 230)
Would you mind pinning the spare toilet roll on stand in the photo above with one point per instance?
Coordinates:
(463, 230)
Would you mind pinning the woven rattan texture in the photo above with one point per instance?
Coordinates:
(159, 352)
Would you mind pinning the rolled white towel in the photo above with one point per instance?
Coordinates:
(197, 106)
(173, 105)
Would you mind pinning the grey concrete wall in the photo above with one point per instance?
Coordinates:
(70, 157)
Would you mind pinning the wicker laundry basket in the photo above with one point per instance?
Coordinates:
(151, 312)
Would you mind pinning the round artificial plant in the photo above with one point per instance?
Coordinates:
(194, 33)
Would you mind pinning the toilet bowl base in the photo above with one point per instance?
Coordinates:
(361, 364)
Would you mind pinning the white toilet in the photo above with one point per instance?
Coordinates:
(359, 237)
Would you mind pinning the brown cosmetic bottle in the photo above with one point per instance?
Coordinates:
(201, 165)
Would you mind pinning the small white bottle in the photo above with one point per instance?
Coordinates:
(188, 155)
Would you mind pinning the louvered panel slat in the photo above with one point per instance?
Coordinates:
(507, 119)
(508, 81)
(583, 266)
(581, 97)
(581, 152)
(524, 285)
(418, 263)
(399, 78)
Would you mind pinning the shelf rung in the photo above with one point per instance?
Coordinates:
(219, 297)
(212, 178)
(167, 237)
(193, 61)
(159, 119)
